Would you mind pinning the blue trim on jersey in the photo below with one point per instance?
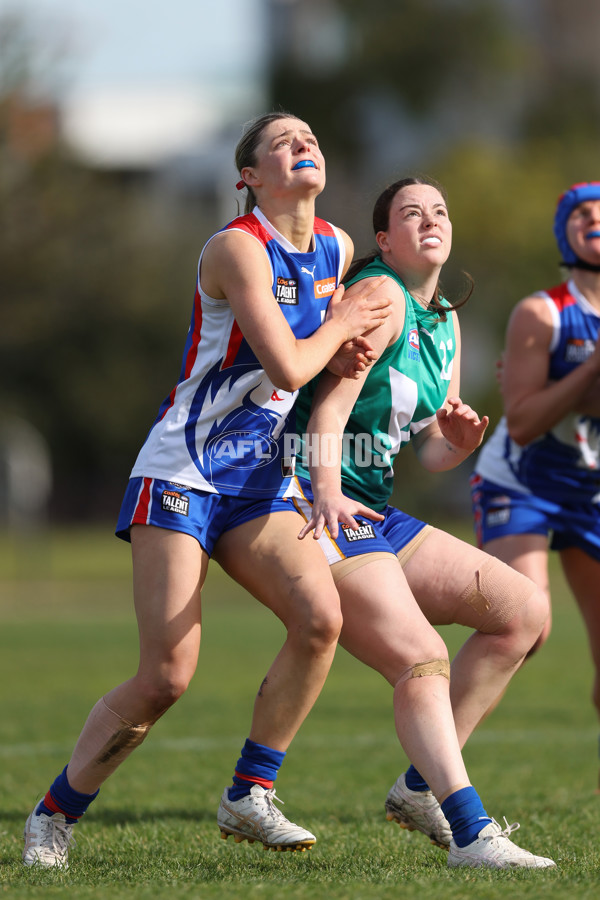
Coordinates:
(562, 465)
(247, 447)
(225, 425)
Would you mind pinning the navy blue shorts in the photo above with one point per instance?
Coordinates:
(498, 512)
(201, 514)
(389, 536)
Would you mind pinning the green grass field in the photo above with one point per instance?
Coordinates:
(68, 635)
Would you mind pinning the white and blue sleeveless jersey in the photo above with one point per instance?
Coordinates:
(223, 427)
(562, 465)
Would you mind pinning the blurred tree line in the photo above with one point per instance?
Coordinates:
(500, 103)
(498, 100)
(97, 277)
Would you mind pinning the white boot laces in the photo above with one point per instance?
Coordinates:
(58, 836)
(504, 832)
(271, 796)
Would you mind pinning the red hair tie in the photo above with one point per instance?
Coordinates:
(241, 185)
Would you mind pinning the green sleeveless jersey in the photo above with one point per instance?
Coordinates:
(400, 396)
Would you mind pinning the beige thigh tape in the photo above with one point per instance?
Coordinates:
(106, 740)
(407, 551)
(497, 592)
(342, 568)
(431, 667)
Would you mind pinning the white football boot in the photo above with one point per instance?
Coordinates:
(418, 811)
(256, 818)
(492, 849)
(47, 840)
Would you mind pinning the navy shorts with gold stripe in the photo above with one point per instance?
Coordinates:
(388, 536)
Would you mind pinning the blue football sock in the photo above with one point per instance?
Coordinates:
(258, 764)
(466, 815)
(64, 799)
(414, 780)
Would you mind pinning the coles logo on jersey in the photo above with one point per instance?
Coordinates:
(286, 291)
(414, 345)
(577, 350)
(364, 532)
(325, 287)
(176, 502)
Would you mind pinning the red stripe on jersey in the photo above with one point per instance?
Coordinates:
(560, 296)
(322, 227)
(235, 339)
(140, 514)
(192, 352)
(264, 782)
(250, 224)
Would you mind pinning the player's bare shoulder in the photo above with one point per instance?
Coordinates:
(531, 320)
(388, 289)
(349, 249)
(232, 257)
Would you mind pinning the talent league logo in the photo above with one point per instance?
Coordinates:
(286, 291)
(364, 532)
(499, 512)
(175, 502)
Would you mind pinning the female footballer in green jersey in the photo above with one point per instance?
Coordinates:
(398, 576)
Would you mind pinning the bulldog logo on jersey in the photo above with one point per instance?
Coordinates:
(286, 291)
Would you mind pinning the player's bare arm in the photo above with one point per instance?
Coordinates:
(289, 362)
(458, 429)
(353, 357)
(333, 401)
(533, 403)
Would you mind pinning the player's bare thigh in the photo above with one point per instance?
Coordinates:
(383, 624)
(527, 553)
(582, 572)
(289, 576)
(169, 569)
(443, 574)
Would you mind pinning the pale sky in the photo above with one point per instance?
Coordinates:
(143, 77)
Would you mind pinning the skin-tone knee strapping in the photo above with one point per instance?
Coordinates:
(496, 593)
(431, 667)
